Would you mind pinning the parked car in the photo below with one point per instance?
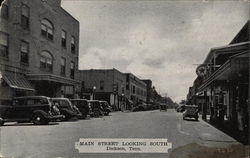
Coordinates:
(83, 106)
(180, 108)
(106, 107)
(66, 108)
(36, 109)
(191, 111)
(96, 107)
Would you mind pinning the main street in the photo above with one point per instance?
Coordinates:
(58, 139)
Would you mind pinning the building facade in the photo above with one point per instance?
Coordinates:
(222, 87)
(104, 84)
(39, 49)
(136, 89)
(149, 90)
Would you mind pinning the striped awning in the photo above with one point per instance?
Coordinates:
(17, 81)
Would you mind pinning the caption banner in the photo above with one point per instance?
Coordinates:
(122, 145)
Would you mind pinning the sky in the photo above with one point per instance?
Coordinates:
(158, 40)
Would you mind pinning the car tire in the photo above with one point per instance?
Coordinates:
(39, 119)
(1, 123)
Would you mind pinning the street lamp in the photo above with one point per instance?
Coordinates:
(94, 88)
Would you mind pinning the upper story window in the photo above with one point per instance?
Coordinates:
(101, 85)
(4, 45)
(5, 11)
(24, 52)
(63, 66)
(72, 70)
(73, 44)
(25, 22)
(64, 36)
(46, 61)
(47, 29)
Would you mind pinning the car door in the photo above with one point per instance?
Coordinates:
(20, 109)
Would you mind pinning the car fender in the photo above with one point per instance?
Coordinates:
(39, 112)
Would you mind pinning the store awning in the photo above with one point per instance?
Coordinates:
(17, 81)
(52, 78)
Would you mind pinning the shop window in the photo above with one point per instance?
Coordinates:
(46, 61)
(72, 70)
(5, 11)
(63, 66)
(64, 35)
(73, 44)
(47, 29)
(4, 45)
(101, 85)
(25, 22)
(24, 52)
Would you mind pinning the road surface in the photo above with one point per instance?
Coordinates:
(58, 139)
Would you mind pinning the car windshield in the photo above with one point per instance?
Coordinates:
(63, 103)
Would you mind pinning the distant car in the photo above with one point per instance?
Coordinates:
(163, 107)
(191, 111)
(96, 107)
(66, 108)
(106, 107)
(36, 109)
(83, 106)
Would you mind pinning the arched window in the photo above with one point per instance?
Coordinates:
(47, 29)
(46, 61)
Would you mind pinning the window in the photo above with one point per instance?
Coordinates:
(25, 16)
(63, 65)
(73, 47)
(4, 11)
(133, 90)
(101, 85)
(4, 45)
(24, 52)
(47, 29)
(46, 61)
(72, 69)
(64, 35)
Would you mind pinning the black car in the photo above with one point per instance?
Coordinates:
(106, 108)
(83, 106)
(66, 108)
(96, 107)
(36, 109)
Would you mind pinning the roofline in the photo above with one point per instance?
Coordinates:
(244, 27)
(224, 47)
(31, 97)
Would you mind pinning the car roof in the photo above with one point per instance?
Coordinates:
(79, 99)
(31, 97)
(59, 98)
(94, 100)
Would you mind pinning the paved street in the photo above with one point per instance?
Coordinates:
(57, 140)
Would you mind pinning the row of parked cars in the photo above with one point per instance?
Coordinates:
(42, 109)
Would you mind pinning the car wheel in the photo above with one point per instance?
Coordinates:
(38, 119)
(96, 114)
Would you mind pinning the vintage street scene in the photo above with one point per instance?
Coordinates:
(108, 79)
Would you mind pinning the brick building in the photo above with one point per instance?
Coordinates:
(136, 89)
(38, 49)
(148, 91)
(103, 84)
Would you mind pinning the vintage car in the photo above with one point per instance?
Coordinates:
(83, 106)
(163, 107)
(66, 108)
(96, 107)
(191, 111)
(36, 109)
(106, 107)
